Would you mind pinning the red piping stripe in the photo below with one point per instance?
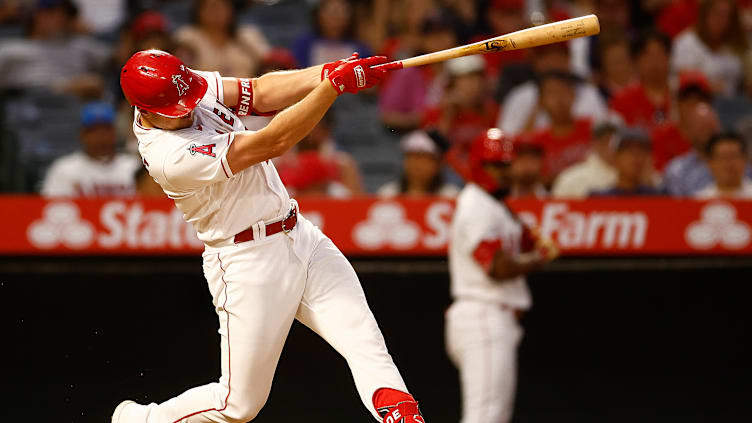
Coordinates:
(229, 356)
(216, 78)
(138, 123)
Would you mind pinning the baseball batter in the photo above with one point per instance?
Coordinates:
(490, 253)
(265, 263)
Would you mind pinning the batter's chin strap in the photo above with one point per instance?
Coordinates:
(245, 100)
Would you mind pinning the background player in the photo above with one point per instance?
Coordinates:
(490, 253)
(265, 264)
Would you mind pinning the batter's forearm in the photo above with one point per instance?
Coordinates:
(284, 131)
(278, 90)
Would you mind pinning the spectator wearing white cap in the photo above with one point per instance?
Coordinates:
(421, 170)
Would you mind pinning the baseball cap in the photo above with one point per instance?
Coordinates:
(694, 82)
(418, 142)
(97, 113)
(630, 135)
(147, 23)
(465, 65)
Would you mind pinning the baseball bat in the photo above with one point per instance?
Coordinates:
(530, 37)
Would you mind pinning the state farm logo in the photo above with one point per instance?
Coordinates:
(718, 226)
(121, 225)
(388, 226)
(590, 229)
(61, 223)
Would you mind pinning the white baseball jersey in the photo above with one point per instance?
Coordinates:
(191, 166)
(479, 219)
(78, 175)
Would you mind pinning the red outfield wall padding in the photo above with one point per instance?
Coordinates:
(374, 227)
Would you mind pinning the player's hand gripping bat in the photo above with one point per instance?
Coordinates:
(531, 37)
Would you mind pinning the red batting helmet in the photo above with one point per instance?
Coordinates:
(492, 146)
(160, 83)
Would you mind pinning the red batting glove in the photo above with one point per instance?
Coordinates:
(356, 75)
(329, 67)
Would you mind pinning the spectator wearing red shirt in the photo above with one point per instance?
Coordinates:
(406, 95)
(616, 70)
(567, 139)
(467, 108)
(647, 103)
(672, 139)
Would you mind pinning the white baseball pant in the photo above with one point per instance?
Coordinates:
(258, 288)
(481, 340)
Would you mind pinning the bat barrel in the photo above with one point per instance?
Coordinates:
(531, 37)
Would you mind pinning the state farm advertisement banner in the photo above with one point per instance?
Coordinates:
(373, 227)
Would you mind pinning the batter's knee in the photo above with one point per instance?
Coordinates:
(242, 411)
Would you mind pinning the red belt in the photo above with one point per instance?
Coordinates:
(282, 225)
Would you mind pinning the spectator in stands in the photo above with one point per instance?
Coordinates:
(503, 17)
(736, 112)
(526, 170)
(102, 17)
(714, 46)
(467, 108)
(727, 157)
(97, 170)
(406, 95)
(338, 168)
(220, 44)
(616, 70)
(595, 173)
(566, 140)
(673, 138)
(632, 162)
(674, 16)
(614, 16)
(688, 173)
(333, 35)
(523, 111)
(313, 175)
(646, 103)
(147, 30)
(52, 56)
(421, 167)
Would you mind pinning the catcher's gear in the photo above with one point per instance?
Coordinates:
(396, 406)
(158, 82)
(492, 146)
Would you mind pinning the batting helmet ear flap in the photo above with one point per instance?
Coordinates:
(160, 83)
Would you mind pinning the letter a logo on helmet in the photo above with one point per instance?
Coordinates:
(149, 80)
(182, 85)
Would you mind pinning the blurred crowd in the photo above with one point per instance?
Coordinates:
(660, 103)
